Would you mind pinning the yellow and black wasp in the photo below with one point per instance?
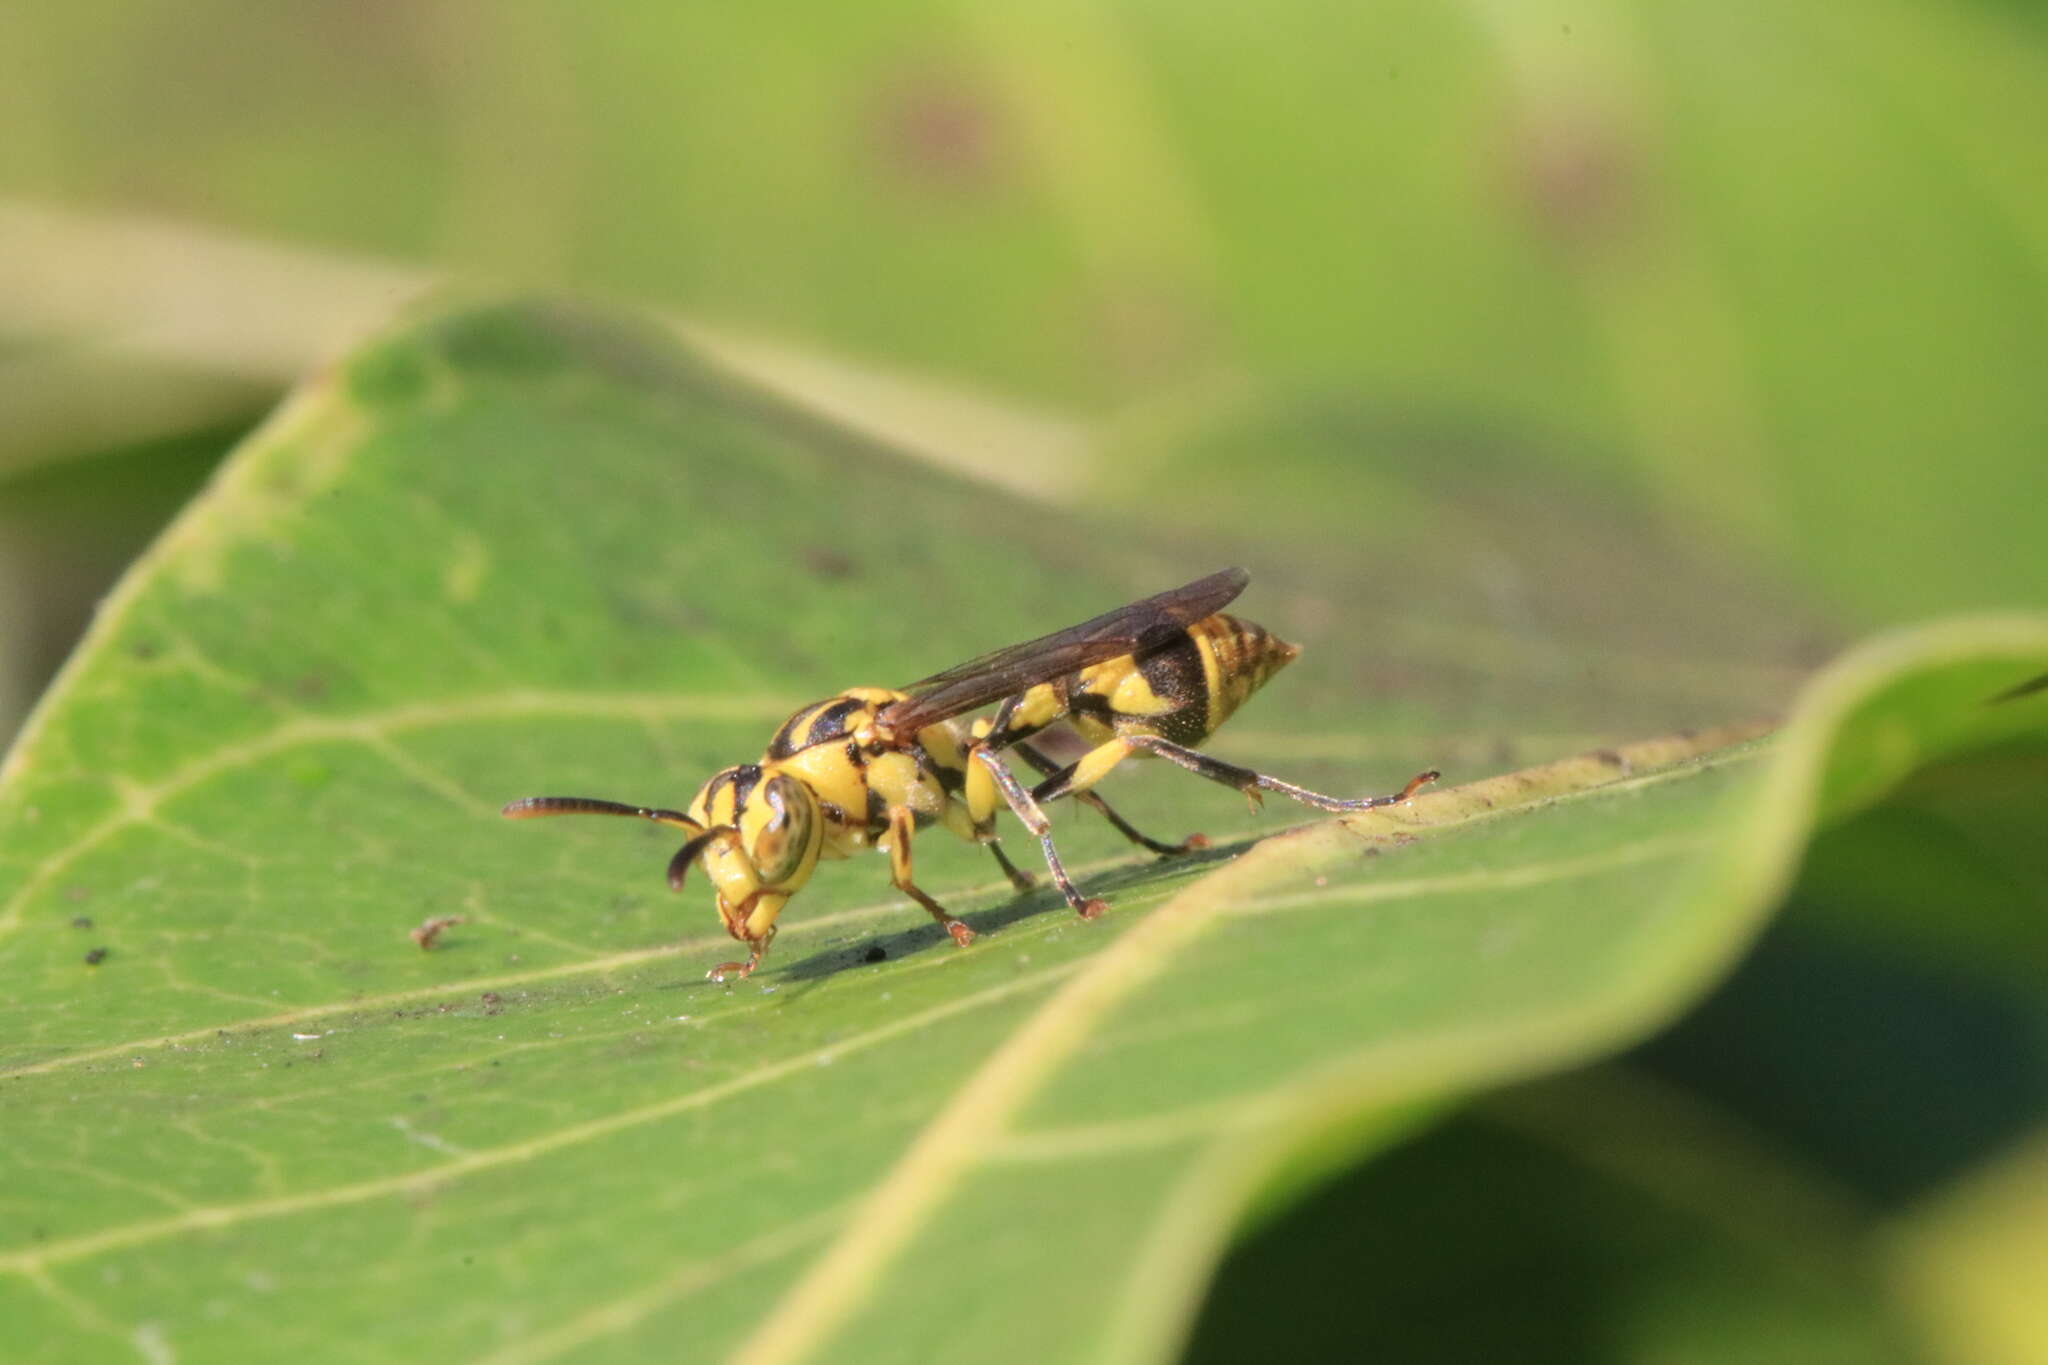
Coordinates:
(874, 765)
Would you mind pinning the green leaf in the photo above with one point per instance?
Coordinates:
(1606, 1217)
(1776, 260)
(68, 529)
(524, 549)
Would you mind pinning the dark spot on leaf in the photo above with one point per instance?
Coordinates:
(940, 130)
(875, 953)
(1610, 758)
(82, 922)
(96, 957)
(1575, 176)
(311, 686)
(828, 564)
(143, 650)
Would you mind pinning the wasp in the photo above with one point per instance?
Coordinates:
(872, 766)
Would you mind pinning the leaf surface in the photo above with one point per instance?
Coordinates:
(524, 549)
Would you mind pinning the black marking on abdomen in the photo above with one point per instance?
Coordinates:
(1177, 677)
(1093, 705)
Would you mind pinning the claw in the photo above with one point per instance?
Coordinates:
(1092, 909)
(962, 935)
(1417, 782)
(736, 970)
(1194, 842)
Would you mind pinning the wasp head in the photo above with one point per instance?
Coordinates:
(760, 839)
(758, 835)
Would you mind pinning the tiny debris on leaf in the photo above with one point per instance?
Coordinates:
(429, 930)
(96, 957)
(82, 922)
(875, 953)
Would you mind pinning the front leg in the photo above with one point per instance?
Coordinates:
(757, 944)
(902, 825)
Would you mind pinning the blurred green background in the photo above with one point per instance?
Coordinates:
(1496, 302)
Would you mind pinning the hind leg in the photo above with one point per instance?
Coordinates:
(1096, 764)
(1124, 827)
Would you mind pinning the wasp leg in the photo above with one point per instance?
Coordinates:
(901, 827)
(1124, 827)
(735, 924)
(1019, 878)
(978, 796)
(1094, 765)
(1034, 820)
(740, 971)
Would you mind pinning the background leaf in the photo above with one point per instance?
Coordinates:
(1568, 374)
(535, 541)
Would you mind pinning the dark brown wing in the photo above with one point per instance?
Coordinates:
(1127, 630)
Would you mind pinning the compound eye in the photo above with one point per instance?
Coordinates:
(778, 851)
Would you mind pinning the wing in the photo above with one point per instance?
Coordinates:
(1127, 630)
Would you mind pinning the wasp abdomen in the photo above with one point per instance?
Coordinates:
(1182, 689)
(1238, 656)
(1167, 693)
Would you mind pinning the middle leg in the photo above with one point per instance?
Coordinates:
(1034, 820)
(1019, 878)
